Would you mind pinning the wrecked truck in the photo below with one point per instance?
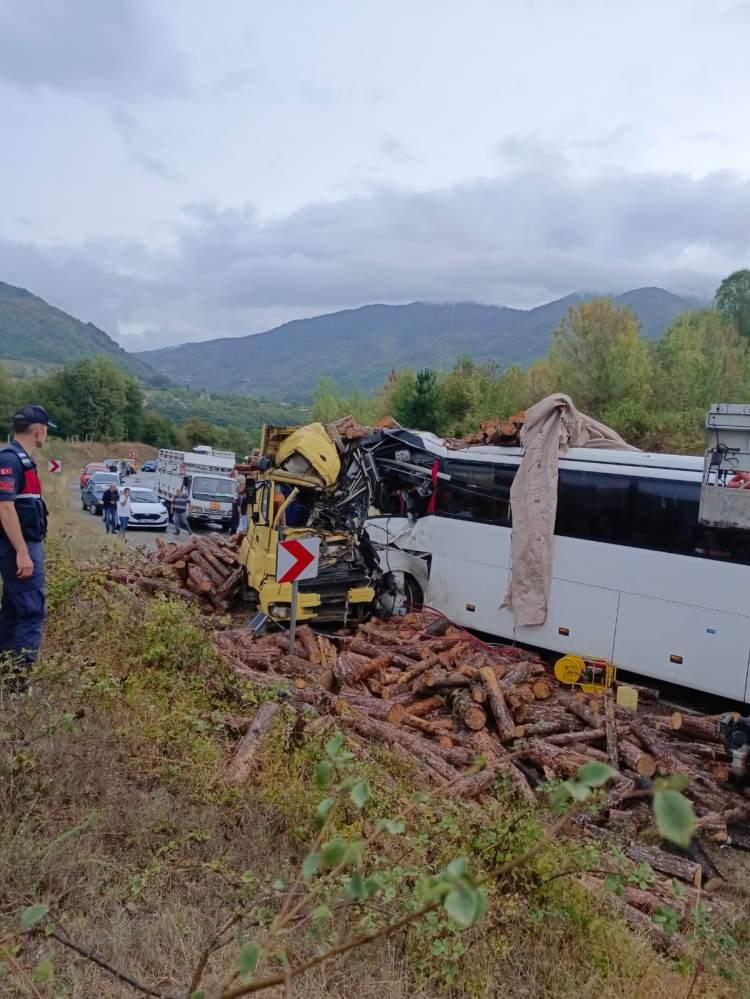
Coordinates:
(331, 482)
(295, 489)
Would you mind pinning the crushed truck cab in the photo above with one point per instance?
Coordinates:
(297, 474)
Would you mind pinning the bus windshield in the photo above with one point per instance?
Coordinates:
(209, 487)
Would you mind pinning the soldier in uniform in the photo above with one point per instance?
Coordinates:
(23, 526)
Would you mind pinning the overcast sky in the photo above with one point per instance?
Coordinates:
(181, 170)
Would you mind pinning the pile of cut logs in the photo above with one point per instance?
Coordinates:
(203, 570)
(431, 690)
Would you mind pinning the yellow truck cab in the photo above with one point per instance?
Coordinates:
(298, 472)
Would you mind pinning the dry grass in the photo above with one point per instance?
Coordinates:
(114, 810)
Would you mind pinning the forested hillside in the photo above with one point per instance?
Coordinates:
(358, 347)
(33, 331)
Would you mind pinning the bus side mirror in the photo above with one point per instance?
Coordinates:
(256, 517)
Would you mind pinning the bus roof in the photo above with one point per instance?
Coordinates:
(589, 455)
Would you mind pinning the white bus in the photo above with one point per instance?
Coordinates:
(636, 579)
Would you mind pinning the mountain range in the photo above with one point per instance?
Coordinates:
(33, 331)
(357, 348)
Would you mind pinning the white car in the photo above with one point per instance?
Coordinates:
(148, 509)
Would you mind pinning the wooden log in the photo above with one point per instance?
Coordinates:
(421, 749)
(472, 785)
(478, 693)
(230, 584)
(432, 678)
(590, 751)
(327, 650)
(656, 746)
(467, 712)
(348, 665)
(371, 668)
(644, 693)
(179, 552)
(496, 699)
(558, 761)
(610, 728)
(581, 737)
(197, 581)
(437, 627)
(694, 727)
(666, 863)
(541, 689)
(217, 578)
(544, 728)
(427, 705)
(245, 756)
(579, 709)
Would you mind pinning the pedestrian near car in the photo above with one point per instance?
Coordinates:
(180, 511)
(124, 512)
(23, 527)
(110, 499)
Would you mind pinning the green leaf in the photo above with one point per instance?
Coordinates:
(354, 852)
(674, 816)
(360, 794)
(323, 773)
(44, 972)
(31, 916)
(200, 994)
(355, 887)
(248, 958)
(393, 826)
(321, 812)
(333, 852)
(595, 774)
(334, 745)
(576, 790)
(321, 912)
(456, 869)
(464, 904)
(279, 885)
(310, 866)
(372, 886)
(675, 782)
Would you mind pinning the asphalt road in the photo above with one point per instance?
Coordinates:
(142, 536)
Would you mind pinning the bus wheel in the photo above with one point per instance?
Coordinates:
(398, 594)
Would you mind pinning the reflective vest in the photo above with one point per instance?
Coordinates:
(30, 507)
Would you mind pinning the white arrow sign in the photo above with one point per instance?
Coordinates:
(297, 559)
(54, 466)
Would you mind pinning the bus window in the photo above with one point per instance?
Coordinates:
(666, 516)
(594, 507)
(475, 491)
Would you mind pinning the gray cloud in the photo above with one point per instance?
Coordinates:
(114, 47)
(140, 146)
(520, 239)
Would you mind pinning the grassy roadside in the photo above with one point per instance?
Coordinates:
(115, 811)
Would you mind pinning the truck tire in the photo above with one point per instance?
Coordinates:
(398, 593)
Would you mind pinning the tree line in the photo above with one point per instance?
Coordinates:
(94, 400)
(655, 394)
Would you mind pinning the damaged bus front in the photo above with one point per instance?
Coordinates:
(297, 492)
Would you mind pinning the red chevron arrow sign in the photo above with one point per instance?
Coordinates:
(54, 466)
(297, 559)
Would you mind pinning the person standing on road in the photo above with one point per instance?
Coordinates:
(109, 508)
(180, 511)
(124, 512)
(23, 527)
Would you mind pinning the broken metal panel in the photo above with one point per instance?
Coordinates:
(725, 490)
(723, 507)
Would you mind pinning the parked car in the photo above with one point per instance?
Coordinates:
(148, 510)
(88, 471)
(148, 466)
(91, 496)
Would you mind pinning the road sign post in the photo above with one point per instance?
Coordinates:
(296, 559)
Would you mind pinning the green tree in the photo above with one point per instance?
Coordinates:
(158, 430)
(599, 358)
(419, 409)
(733, 300)
(330, 404)
(196, 431)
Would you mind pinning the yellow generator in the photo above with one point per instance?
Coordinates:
(295, 496)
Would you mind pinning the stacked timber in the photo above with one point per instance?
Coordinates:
(437, 694)
(204, 570)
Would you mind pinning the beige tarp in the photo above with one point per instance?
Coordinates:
(551, 427)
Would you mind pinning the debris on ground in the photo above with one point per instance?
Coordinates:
(203, 570)
(438, 696)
